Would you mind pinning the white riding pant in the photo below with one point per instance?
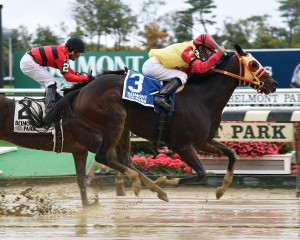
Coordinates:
(154, 69)
(37, 72)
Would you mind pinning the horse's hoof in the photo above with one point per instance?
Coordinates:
(163, 196)
(90, 205)
(161, 180)
(136, 191)
(136, 186)
(219, 193)
(134, 178)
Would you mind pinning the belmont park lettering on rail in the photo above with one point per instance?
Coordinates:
(253, 98)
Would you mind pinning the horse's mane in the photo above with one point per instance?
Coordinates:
(118, 72)
(103, 72)
(74, 87)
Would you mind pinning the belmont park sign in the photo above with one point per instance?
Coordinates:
(286, 96)
(254, 132)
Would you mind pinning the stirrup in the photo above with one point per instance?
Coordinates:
(164, 104)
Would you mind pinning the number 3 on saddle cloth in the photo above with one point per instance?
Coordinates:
(142, 89)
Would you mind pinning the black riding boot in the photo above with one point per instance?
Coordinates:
(50, 97)
(162, 99)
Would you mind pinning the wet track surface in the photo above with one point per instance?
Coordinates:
(192, 213)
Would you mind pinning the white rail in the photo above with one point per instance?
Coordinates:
(241, 97)
(22, 90)
(19, 93)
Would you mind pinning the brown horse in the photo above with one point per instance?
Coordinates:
(197, 116)
(78, 140)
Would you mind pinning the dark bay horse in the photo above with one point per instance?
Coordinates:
(197, 116)
(78, 140)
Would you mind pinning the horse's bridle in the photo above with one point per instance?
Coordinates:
(254, 82)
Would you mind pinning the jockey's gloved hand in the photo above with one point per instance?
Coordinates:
(91, 78)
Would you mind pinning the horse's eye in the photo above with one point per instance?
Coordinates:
(253, 66)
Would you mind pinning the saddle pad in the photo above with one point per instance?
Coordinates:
(141, 89)
(22, 125)
(21, 120)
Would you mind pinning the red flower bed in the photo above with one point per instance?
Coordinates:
(162, 163)
(254, 149)
(167, 162)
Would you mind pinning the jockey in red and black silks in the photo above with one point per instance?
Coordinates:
(33, 64)
(57, 57)
(178, 61)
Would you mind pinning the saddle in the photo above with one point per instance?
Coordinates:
(142, 89)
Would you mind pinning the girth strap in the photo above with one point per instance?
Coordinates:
(162, 128)
(58, 139)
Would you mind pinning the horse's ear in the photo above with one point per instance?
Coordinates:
(239, 50)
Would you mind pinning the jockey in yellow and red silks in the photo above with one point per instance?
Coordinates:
(178, 61)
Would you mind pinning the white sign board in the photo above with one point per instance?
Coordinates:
(256, 132)
(251, 97)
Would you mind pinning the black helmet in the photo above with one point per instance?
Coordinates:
(76, 43)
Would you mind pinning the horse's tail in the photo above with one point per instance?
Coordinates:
(64, 107)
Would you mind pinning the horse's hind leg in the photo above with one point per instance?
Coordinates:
(190, 157)
(109, 124)
(123, 155)
(107, 155)
(112, 161)
(152, 186)
(219, 148)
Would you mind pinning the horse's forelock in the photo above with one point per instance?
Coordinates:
(239, 50)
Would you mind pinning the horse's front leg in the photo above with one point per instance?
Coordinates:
(80, 164)
(189, 155)
(219, 148)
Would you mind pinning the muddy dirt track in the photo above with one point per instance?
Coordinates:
(39, 211)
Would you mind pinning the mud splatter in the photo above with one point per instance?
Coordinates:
(29, 203)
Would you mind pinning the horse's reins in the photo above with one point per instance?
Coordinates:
(257, 84)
